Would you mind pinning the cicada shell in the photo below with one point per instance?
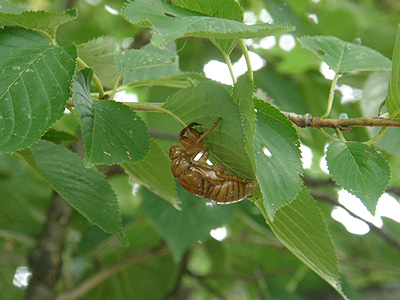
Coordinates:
(198, 177)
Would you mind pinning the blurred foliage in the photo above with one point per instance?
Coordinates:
(250, 263)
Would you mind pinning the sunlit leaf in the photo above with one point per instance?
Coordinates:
(343, 56)
(242, 92)
(147, 63)
(360, 169)
(8, 8)
(39, 20)
(147, 57)
(172, 22)
(393, 97)
(226, 9)
(99, 55)
(278, 158)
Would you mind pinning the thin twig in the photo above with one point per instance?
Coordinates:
(368, 265)
(103, 275)
(247, 58)
(96, 79)
(331, 95)
(384, 234)
(154, 107)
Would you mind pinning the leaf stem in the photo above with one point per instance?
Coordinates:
(226, 58)
(331, 95)
(247, 57)
(114, 90)
(154, 107)
(376, 137)
(51, 39)
(340, 135)
(326, 134)
(82, 64)
(174, 84)
(96, 79)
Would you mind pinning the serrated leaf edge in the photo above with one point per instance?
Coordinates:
(384, 160)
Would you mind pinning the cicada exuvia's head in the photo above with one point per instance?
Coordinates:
(175, 151)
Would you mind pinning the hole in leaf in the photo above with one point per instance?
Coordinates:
(266, 151)
(320, 52)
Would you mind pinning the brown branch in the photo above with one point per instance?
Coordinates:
(103, 275)
(308, 120)
(203, 282)
(45, 259)
(176, 290)
(394, 190)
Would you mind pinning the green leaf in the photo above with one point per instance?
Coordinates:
(301, 228)
(204, 104)
(58, 137)
(172, 22)
(112, 132)
(393, 97)
(183, 228)
(154, 173)
(282, 90)
(8, 8)
(38, 20)
(34, 86)
(360, 169)
(85, 189)
(147, 63)
(278, 157)
(24, 197)
(227, 9)
(99, 55)
(343, 57)
(243, 94)
(147, 57)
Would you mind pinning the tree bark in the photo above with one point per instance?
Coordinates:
(45, 259)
